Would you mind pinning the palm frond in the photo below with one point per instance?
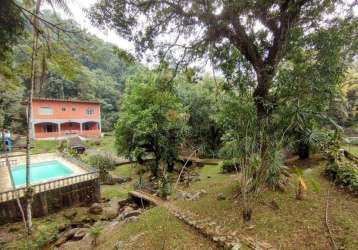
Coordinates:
(62, 4)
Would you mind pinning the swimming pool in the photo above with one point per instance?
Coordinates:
(41, 171)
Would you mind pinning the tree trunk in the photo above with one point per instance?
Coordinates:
(262, 110)
(303, 150)
(29, 115)
(247, 214)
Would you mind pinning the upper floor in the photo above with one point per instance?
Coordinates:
(43, 108)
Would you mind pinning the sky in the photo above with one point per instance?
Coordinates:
(76, 7)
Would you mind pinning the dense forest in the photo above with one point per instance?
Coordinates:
(71, 65)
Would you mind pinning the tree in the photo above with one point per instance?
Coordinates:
(199, 99)
(11, 26)
(152, 121)
(261, 31)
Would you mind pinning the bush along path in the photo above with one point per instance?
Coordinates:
(207, 227)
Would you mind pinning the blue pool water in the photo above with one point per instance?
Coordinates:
(42, 171)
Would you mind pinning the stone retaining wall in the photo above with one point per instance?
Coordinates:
(44, 203)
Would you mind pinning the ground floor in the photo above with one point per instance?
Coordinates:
(61, 129)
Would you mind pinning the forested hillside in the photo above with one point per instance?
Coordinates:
(71, 64)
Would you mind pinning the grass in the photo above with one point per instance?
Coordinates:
(155, 229)
(105, 144)
(296, 223)
(120, 191)
(126, 170)
(44, 146)
(116, 191)
(352, 148)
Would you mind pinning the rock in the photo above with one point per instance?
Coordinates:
(181, 196)
(70, 214)
(62, 227)
(221, 197)
(131, 219)
(88, 220)
(129, 214)
(79, 234)
(70, 233)
(109, 213)
(122, 203)
(60, 241)
(236, 246)
(126, 209)
(104, 200)
(95, 208)
(203, 192)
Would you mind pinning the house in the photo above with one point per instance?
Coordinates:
(58, 119)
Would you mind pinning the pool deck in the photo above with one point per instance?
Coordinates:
(5, 181)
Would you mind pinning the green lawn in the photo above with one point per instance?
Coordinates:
(121, 190)
(44, 146)
(352, 148)
(105, 144)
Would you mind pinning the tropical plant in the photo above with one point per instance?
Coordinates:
(95, 231)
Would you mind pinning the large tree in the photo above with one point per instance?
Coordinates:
(261, 31)
(152, 120)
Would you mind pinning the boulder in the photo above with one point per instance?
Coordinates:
(79, 234)
(70, 214)
(122, 203)
(181, 196)
(109, 213)
(60, 241)
(126, 209)
(130, 214)
(95, 208)
(197, 195)
(221, 197)
(70, 233)
(62, 227)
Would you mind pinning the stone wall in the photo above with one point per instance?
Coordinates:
(82, 193)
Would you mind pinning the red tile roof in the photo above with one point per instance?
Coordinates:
(62, 100)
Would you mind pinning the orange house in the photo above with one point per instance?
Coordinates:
(58, 119)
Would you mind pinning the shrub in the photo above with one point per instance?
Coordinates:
(229, 166)
(102, 162)
(343, 173)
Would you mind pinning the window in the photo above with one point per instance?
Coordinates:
(45, 111)
(63, 109)
(73, 109)
(89, 111)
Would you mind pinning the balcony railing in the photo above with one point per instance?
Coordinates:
(94, 132)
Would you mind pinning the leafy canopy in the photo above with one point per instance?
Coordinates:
(152, 120)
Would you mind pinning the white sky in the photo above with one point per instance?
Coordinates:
(76, 7)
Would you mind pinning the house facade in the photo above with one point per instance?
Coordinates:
(58, 119)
